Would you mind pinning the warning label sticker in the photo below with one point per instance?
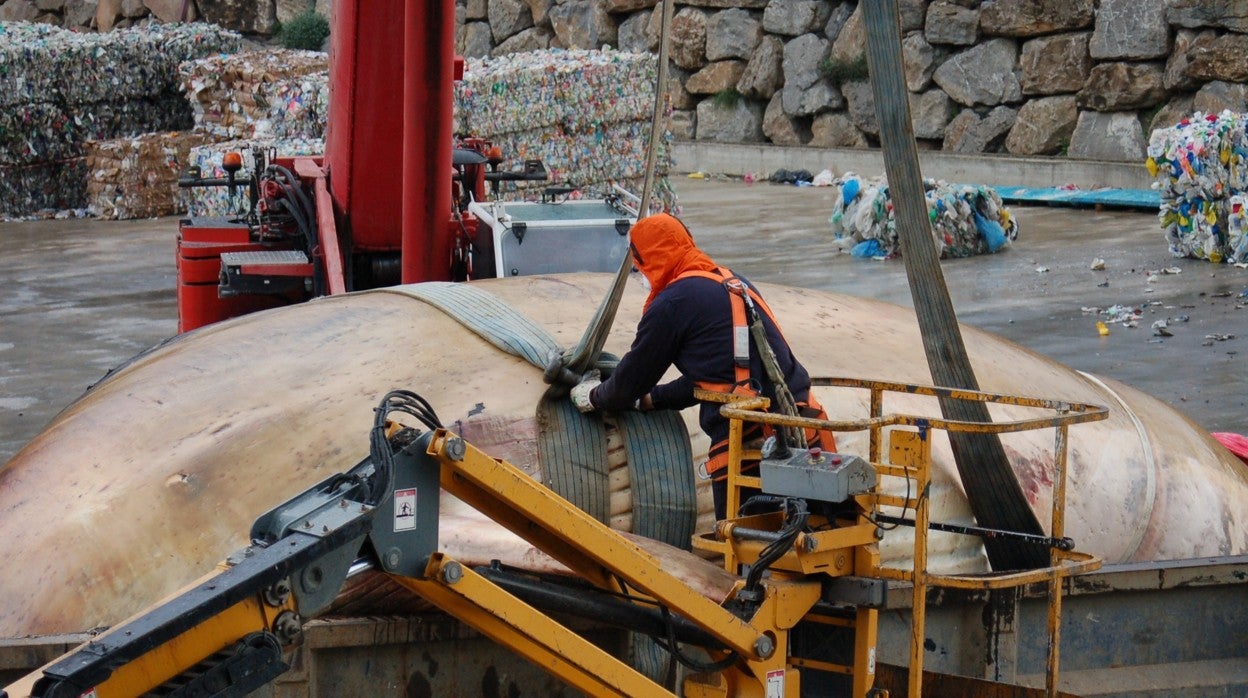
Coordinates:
(405, 509)
(775, 683)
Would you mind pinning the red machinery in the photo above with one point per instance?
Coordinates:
(378, 208)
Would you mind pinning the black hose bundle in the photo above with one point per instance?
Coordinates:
(406, 402)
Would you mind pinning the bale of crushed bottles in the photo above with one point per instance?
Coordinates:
(1200, 168)
(585, 114)
(206, 159)
(966, 219)
(266, 95)
(60, 89)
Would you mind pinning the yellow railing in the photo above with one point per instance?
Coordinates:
(910, 458)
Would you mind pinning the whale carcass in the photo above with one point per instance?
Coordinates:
(155, 474)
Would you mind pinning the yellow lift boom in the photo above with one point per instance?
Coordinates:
(811, 558)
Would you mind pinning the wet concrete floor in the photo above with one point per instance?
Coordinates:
(83, 296)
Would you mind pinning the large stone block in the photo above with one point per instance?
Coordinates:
(80, 14)
(835, 130)
(764, 73)
(948, 23)
(680, 97)
(851, 41)
(836, 20)
(732, 34)
(1034, 17)
(1177, 109)
(971, 133)
(860, 102)
(1225, 59)
(918, 61)
(1130, 30)
(930, 113)
(1185, 41)
(741, 122)
(540, 11)
(1228, 14)
(583, 24)
(1043, 126)
(246, 16)
(1116, 137)
(1115, 87)
(912, 14)
(1055, 64)
(508, 18)
(803, 57)
(633, 35)
(819, 97)
(164, 10)
(621, 6)
(683, 124)
(715, 78)
(782, 129)
(476, 9)
(688, 38)
(478, 40)
(795, 17)
(1218, 96)
(531, 39)
(107, 12)
(983, 74)
(286, 10)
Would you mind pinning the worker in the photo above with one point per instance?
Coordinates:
(695, 310)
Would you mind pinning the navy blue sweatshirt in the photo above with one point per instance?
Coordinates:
(689, 324)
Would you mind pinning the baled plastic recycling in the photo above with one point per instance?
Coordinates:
(1200, 172)
(966, 219)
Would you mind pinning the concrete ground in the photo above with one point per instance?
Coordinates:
(83, 296)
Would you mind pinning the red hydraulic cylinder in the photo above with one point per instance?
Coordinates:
(429, 57)
(363, 148)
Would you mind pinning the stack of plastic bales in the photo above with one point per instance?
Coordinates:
(1201, 173)
(220, 201)
(966, 219)
(59, 89)
(263, 95)
(276, 99)
(585, 114)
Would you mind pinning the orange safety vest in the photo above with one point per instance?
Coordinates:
(743, 383)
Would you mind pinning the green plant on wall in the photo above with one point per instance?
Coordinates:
(840, 71)
(728, 98)
(306, 31)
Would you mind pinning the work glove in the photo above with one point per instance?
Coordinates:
(580, 392)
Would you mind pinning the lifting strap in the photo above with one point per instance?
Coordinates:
(572, 447)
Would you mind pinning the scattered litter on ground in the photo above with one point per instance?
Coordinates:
(1098, 264)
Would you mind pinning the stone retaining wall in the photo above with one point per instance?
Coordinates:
(1082, 78)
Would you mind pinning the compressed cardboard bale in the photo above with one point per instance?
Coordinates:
(138, 177)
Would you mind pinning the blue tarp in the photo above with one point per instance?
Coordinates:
(1145, 199)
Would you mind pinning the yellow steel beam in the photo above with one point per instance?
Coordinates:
(532, 634)
(512, 498)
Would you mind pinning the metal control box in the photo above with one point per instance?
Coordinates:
(519, 239)
(822, 476)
